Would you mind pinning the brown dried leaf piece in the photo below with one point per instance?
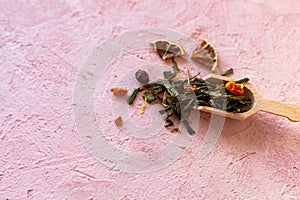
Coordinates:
(205, 55)
(167, 49)
(119, 121)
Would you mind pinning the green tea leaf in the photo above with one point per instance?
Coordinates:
(133, 95)
(188, 127)
(173, 92)
(241, 81)
(175, 66)
(149, 96)
(169, 75)
(228, 72)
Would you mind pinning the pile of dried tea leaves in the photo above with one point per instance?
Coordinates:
(180, 97)
(171, 95)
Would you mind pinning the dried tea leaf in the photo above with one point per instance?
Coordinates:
(169, 86)
(169, 75)
(206, 55)
(175, 66)
(228, 72)
(169, 123)
(188, 127)
(241, 81)
(175, 129)
(133, 95)
(167, 49)
(149, 96)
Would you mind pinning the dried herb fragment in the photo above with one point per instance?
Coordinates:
(242, 81)
(175, 129)
(133, 95)
(173, 92)
(172, 75)
(169, 75)
(149, 96)
(169, 123)
(228, 72)
(188, 127)
(118, 121)
(175, 66)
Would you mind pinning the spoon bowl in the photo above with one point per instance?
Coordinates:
(259, 103)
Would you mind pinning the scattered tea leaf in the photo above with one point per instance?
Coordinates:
(228, 72)
(149, 96)
(188, 127)
(175, 129)
(119, 121)
(169, 123)
(241, 81)
(175, 66)
(169, 75)
(133, 95)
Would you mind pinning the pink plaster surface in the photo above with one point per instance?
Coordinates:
(43, 44)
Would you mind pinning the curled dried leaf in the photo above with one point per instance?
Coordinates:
(175, 129)
(206, 55)
(167, 49)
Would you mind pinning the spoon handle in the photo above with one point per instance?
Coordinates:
(291, 111)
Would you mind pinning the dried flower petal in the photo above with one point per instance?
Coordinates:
(143, 106)
(234, 88)
(119, 91)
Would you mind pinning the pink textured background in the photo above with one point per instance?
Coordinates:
(42, 47)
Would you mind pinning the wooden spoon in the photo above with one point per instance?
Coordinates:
(291, 111)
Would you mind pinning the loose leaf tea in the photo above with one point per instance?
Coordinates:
(167, 49)
(149, 97)
(178, 100)
(206, 55)
(179, 97)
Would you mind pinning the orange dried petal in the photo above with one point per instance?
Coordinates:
(119, 91)
(233, 88)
